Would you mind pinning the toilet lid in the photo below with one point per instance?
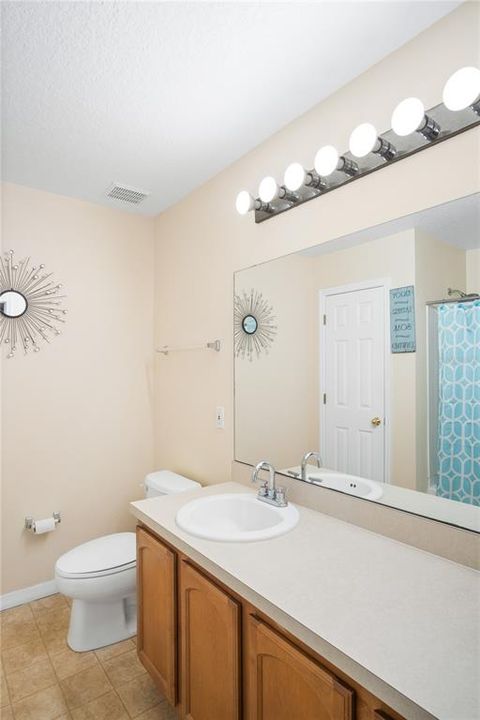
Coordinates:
(99, 555)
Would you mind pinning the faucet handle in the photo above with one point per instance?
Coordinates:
(263, 489)
(281, 496)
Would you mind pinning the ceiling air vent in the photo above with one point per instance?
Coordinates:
(127, 194)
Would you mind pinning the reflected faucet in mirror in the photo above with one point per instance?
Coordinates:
(268, 492)
(312, 454)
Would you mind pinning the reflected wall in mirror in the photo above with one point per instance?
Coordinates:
(376, 365)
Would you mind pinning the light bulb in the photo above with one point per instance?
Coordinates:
(268, 189)
(462, 89)
(408, 116)
(295, 176)
(326, 160)
(244, 202)
(363, 140)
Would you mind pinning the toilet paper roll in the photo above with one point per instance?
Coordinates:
(44, 526)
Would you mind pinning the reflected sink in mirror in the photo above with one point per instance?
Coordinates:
(235, 518)
(351, 484)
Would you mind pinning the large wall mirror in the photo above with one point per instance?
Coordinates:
(373, 361)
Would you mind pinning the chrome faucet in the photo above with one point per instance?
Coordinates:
(312, 454)
(268, 491)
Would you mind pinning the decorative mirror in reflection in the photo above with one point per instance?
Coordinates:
(377, 366)
(254, 324)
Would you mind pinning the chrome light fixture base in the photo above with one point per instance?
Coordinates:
(315, 182)
(430, 129)
(385, 149)
(441, 124)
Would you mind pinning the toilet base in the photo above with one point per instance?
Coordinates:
(96, 624)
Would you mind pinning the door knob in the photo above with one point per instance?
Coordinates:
(376, 421)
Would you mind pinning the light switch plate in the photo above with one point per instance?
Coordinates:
(220, 418)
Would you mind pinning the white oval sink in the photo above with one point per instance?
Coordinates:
(232, 517)
(351, 484)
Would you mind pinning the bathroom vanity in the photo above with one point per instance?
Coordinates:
(319, 623)
(232, 656)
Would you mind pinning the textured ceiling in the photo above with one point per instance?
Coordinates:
(164, 95)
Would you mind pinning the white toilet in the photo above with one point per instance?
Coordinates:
(100, 577)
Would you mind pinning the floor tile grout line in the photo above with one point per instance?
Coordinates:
(122, 703)
(101, 663)
(120, 697)
(44, 643)
(99, 697)
(12, 702)
(52, 666)
(25, 697)
(86, 703)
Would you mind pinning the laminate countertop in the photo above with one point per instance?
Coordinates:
(400, 621)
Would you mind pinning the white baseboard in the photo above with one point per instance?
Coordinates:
(34, 592)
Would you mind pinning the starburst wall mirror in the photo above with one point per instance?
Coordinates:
(254, 326)
(30, 305)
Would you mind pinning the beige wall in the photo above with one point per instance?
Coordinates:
(77, 416)
(473, 271)
(201, 241)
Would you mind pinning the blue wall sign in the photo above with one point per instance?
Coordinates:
(402, 319)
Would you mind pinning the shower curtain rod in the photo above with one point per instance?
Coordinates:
(453, 300)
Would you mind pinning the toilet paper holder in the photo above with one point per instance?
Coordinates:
(30, 521)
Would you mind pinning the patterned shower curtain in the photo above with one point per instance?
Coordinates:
(459, 402)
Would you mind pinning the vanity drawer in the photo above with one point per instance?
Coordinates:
(286, 684)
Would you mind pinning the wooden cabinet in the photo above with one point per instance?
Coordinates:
(210, 649)
(157, 621)
(220, 658)
(286, 684)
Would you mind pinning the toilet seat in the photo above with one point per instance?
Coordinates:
(103, 556)
(101, 573)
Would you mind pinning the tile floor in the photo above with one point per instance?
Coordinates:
(42, 679)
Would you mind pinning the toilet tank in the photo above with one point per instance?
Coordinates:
(165, 482)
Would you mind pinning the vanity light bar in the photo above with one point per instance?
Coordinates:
(413, 130)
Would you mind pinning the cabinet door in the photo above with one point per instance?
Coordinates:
(285, 684)
(210, 649)
(157, 622)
